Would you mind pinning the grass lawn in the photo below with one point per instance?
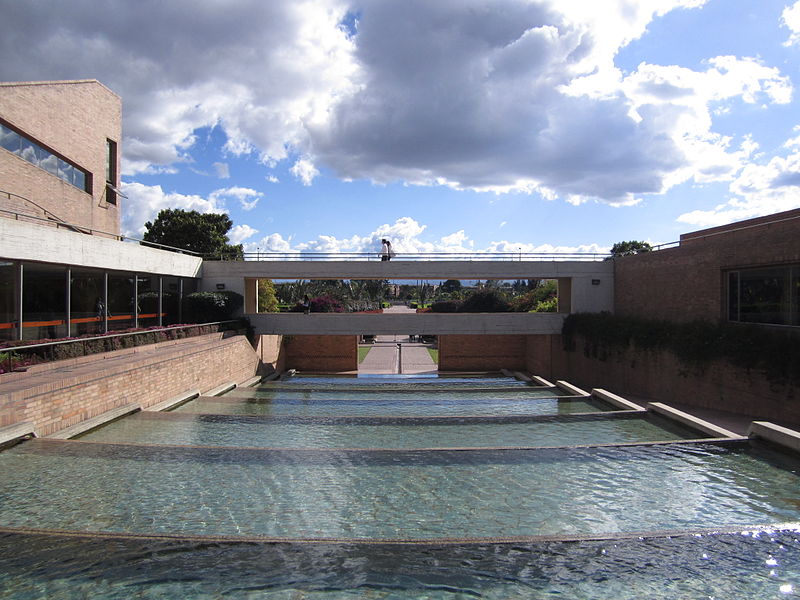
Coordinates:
(434, 354)
(362, 353)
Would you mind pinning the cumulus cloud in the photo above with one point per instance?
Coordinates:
(305, 171)
(144, 202)
(223, 170)
(248, 198)
(405, 234)
(791, 19)
(759, 189)
(507, 95)
(240, 233)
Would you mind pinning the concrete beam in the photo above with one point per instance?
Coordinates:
(404, 324)
(398, 269)
(79, 249)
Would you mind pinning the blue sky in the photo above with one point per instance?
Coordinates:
(453, 125)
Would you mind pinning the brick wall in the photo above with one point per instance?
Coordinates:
(54, 398)
(661, 377)
(685, 283)
(73, 119)
(482, 352)
(321, 353)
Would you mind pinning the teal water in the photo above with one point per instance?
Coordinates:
(392, 494)
(365, 405)
(53, 492)
(216, 430)
(762, 565)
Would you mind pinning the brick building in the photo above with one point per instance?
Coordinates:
(64, 269)
(743, 272)
(59, 152)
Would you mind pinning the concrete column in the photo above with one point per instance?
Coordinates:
(564, 295)
(69, 302)
(250, 295)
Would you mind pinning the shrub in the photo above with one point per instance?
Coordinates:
(446, 306)
(484, 301)
(204, 307)
(695, 343)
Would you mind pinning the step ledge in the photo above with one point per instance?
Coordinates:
(94, 422)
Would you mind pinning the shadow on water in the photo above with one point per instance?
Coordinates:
(755, 564)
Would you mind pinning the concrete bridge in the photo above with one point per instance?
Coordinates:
(583, 286)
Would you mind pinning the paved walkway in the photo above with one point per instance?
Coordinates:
(392, 354)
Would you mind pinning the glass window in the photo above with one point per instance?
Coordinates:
(733, 296)
(796, 295)
(44, 159)
(44, 302)
(147, 300)
(170, 303)
(120, 302)
(8, 294)
(764, 295)
(9, 140)
(86, 297)
(111, 171)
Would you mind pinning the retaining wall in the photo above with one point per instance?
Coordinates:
(60, 395)
(660, 376)
(321, 353)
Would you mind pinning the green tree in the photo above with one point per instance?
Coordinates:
(205, 234)
(267, 300)
(629, 248)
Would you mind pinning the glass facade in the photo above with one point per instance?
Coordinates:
(44, 301)
(58, 302)
(8, 311)
(32, 152)
(767, 295)
(87, 291)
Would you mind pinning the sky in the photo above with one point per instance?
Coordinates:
(445, 126)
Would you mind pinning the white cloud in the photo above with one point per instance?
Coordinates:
(791, 19)
(508, 95)
(759, 189)
(248, 198)
(305, 171)
(223, 170)
(273, 179)
(239, 233)
(144, 202)
(405, 235)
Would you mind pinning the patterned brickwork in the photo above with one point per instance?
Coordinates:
(321, 353)
(73, 119)
(686, 283)
(481, 352)
(58, 397)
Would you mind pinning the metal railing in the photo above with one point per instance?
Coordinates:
(426, 256)
(10, 351)
(53, 220)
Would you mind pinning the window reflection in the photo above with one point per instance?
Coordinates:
(44, 302)
(36, 155)
(87, 305)
(764, 295)
(8, 314)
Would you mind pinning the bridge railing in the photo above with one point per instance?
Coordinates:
(426, 256)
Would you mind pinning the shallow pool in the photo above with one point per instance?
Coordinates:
(761, 565)
(381, 432)
(393, 494)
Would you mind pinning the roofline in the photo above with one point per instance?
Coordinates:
(58, 82)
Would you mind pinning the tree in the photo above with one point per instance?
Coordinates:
(629, 248)
(267, 300)
(205, 234)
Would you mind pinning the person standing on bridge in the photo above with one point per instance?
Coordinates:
(386, 250)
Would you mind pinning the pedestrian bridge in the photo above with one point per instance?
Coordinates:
(583, 286)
